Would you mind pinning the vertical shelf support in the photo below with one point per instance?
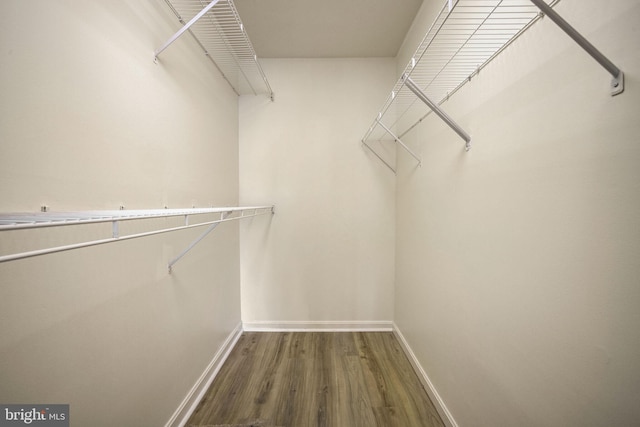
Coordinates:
(185, 28)
(617, 83)
(434, 107)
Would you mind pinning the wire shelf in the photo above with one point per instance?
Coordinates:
(18, 221)
(32, 220)
(220, 33)
(459, 43)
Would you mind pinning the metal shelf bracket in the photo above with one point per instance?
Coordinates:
(182, 30)
(617, 83)
(223, 216)
(434, 107)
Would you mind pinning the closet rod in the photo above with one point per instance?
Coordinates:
(434, 107)
(617, 84)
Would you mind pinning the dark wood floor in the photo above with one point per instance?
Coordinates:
(300, 379)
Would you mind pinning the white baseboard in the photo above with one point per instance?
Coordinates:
(446, 416)
(195, 395)
(319, 326)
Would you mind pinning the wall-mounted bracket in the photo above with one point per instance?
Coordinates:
(617, 83)
(182, 30)
(223, 216)
(434, 107)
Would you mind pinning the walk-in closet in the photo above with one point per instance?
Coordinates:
(287, 213)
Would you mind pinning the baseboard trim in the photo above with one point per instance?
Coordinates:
(446, 416)
(319, 326)
(195, 395)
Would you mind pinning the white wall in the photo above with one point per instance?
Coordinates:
(518, 272)
(328, 254)
(88, 121)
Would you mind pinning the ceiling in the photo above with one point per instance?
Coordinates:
(327, 28)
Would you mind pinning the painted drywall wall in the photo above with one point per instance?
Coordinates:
(328, 253)
(89, 121)
(518, 272)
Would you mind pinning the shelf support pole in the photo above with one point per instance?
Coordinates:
(396, 139)
(617, 84)
(185, 28)
(434, 107)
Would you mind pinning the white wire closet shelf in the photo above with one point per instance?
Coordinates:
(465, 36)
(34, 220)
(218, 29)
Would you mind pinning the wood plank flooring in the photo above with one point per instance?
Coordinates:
(324, 379)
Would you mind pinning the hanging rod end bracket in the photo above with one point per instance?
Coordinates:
(467, 145)
(617, 84)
